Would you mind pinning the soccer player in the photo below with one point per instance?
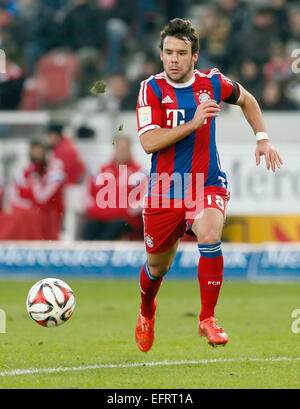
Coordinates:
(176, 113)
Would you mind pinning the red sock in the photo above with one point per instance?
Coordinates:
(149, 287)
(210, 276)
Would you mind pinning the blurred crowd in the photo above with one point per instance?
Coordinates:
(57, 49)
(33, 205)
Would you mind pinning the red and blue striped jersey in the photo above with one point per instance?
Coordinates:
(164, 104)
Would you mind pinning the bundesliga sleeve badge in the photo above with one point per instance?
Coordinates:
(145, 116)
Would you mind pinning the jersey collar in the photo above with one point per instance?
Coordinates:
(180, 84)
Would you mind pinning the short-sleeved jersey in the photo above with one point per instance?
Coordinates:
(164, 104)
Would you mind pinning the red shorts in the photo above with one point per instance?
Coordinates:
(164, 226)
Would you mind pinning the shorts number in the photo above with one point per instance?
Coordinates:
(218, 199)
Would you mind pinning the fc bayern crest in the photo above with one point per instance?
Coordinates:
(149, 240)
(203, 95)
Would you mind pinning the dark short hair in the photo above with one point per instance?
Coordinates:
(36, 143)
(263, 10)
(181, 29)
(55, 128)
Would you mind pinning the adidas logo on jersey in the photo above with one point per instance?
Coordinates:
(167, 100)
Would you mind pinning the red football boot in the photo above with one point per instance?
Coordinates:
(213, 332)
(144, 332)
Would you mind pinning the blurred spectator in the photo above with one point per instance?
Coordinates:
(5, 15)
(279, 67)
(118, 96)
(64, 149)
(27, 8)
(214, 36)
(27, 191)
(114, 221)
(44, 34)
(35, 168)
(12, 6)
(148, 16)
(279, 10)
(82, 26)
(16, 34)
(294, 20)
(117, 34)
(173, 8)
(251, 77)
(150, 67)
(120, 18)
(261, 37)
(11, 85)
(84, 33)
(56, 4)
(238, 13)
(273, 98)
(36, 199)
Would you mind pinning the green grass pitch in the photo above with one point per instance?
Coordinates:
(263, 351)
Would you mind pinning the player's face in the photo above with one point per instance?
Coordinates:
(52, 139)
(37, 154)
(177, 58)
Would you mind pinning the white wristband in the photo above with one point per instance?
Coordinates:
(261, 135)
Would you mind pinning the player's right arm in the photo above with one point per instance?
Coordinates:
(153, 136)
(161, 138)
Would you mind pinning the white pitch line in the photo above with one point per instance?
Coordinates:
(33, 371)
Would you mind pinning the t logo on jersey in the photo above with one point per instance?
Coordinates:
(175, 117)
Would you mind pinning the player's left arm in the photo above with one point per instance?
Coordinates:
(253, 114)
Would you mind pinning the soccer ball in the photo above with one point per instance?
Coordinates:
(50, 302)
